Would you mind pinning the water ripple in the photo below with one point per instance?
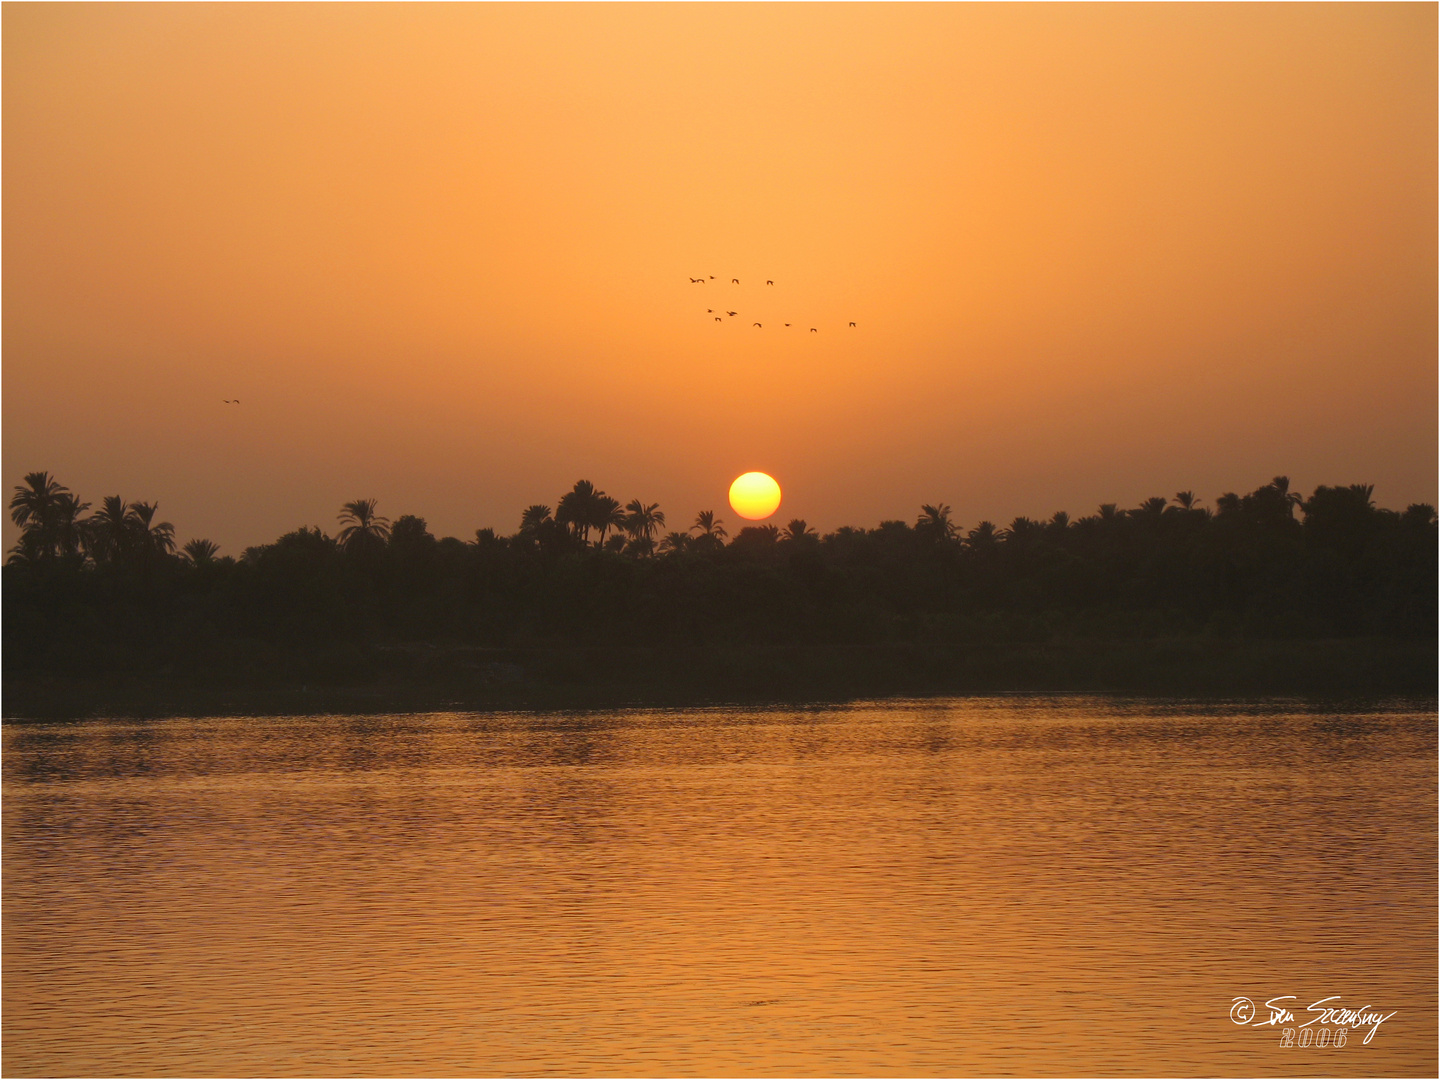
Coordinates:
(1010, 886)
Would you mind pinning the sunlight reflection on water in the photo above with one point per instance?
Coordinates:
(971, 886)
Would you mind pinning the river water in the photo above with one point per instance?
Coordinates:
(1005, 886)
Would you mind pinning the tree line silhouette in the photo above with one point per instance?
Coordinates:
(108, 589)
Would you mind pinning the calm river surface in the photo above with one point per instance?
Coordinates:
(1037, 886)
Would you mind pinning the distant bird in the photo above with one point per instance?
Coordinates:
(718, 319)
(734, 281)
(229, 401)
(761, 327)
(813, 330)
(712, 277)
(852, 324)
(697, 281)
(769, 283)
(787, 324)
(732, 313)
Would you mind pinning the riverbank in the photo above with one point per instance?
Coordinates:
(419, 677)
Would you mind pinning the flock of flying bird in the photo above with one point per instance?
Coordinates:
(736, 281)
(693, 281)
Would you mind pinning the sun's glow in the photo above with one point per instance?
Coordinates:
(755, 495)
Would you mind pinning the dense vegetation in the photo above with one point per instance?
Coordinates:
(107, 591)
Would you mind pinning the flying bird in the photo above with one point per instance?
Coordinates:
(813, 330)
(734, 281)
(852, 324)
(787, 324)
(718, 319)
(769, 283)
(697, 281)
(732, 313)
(761, 327)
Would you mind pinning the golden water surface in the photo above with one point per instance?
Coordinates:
(1043, 886)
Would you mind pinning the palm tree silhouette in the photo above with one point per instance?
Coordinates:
(606, 514)
(532, 517)
(69, 529)
(712, 530)
(1282, 485)
(362, 526)
(798, 531)
(46, 510)
(935, 521)
(200, 552)
(756, 538)
(642, 521)
(981, 538)
(1185, 500)
(576, 509)
(1021, 530)
(1151, 508)
(675, 542)
(152, 538)
(708, 525)
(108, 535)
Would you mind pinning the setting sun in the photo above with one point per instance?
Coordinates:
(755, 495)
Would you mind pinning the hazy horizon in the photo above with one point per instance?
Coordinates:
(442, 255)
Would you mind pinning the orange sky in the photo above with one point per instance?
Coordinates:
(441, 254)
